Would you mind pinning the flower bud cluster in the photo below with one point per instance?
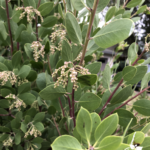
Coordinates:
(66, 71)
(122, 46)
(57, 36)
(18, 103)
(21, 81)
(30, 12)
(38, 50)
(33, 131)
(94, 57)
(57, 15)
(147, 47)
(7, 76)
(8, 142)
(35, 105)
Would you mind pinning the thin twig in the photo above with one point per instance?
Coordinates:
(56, 125)
(125, 3)
(9, 28)
(93, 12)
(119, 84)
(73, 104)
(65, 6)
(127, 101)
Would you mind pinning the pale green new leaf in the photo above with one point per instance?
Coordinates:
(110, 143)
(114, 32)
(106, 128)
(84, 124)
(66, 142)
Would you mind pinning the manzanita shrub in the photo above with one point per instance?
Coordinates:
(53, 94)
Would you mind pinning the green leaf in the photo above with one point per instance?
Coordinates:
(41, 80)
(114, 33)
(73, 28)
(28, 98)
(142, 9)
(29, 3)
(67, 54)
(110, 142)
(32, 76)
(4, 103)
(21, 28)
(51, 93)
(94, 68)
(60, 10)
(46, 8)
(129, 72)
(87, 79)
(39, 117)
(30, 39)
(37, 140)
(25, 87)
(101, 5)
(125, 117)
(141, 71)
(84, 124)
(16, 59)
(106, 77)
(139, 138)
(110, 13)
(18, 138)
(3, 32)
(132, 52)
(4, 129)
(133, 3)
(123, 95)
(3, 67)
(145, 81)
(51, 110)
(146, 144)
(39, 126)
(28, 50)
(24, 71)
(142, 106)
(78, 4)
(120, 11)
(66, 142)
(123, 146)
(95, 122)
(106, 128)
(49, 21)
(90, 101)
(146, 128)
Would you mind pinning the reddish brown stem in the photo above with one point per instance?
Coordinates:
(70, 108)
(73, 104)
(9, 28)
(127, 101)
(112, 94)
(93, 12)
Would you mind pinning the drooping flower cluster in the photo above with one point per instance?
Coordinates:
(57, 37)
(7, 76)
(30, 12)
(69, 70)
(18, 103)
(8, 142)
(32, 131)
(21, 81)
(38, 50)
(147, 44)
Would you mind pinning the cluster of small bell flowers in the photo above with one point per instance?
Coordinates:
(58, 35)
(30, 12)
(7, 76)
(38, 50)
(8, 142)
(18, 103)
(67, 71)
(32, 132)
(147, 47)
